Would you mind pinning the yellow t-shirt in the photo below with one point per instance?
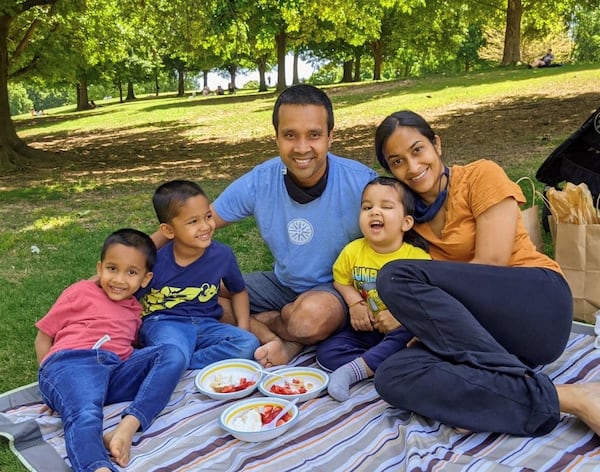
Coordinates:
(358, 265)
(473, 189)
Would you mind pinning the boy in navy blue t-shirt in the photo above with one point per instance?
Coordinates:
(181, 302)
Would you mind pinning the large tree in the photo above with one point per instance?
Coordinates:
(512, 35)
(121, 43)
(29, 30)
(56, 41)
(535, 19)
(182, 36)
(99, 37)
(275, 19)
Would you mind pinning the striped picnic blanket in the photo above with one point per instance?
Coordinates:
(361, 434)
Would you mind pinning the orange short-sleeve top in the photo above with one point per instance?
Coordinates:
(473, 189)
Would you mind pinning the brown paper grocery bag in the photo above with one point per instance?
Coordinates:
(531, 218)
(531, 221)
(577, 251)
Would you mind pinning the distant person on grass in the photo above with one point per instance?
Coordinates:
(181, 301)
(372, 334)
(544, 61)
(306, 204)
(87, 360)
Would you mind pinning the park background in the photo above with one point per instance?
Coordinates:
(75, 173)
(81, 52)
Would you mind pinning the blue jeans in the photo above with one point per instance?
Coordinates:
(482, 330)
(78, 383)
(201, 340)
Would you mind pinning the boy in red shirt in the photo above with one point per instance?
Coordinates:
(87, 360)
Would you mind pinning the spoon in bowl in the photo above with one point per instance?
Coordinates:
(272, 374)
(273, 423)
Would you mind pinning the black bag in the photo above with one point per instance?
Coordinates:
(576, 160)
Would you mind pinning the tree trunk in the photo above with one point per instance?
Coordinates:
(280, 42)
(9, 156)
(83, 102)
(14, 152)
(377, 50)
(78, 97)
(232, 69)
(156, 84)
(261, 65)
(356, 77)
(204, 78)
(347, 68)
(120, 86)
(180, 82)
(512, 35)
(130, 93)
(295, 77)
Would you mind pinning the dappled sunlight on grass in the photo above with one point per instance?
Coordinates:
(147, 115)
(48, 223)
(45, 190)
(154, 139)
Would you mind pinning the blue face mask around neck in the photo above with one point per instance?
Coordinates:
(424, 212)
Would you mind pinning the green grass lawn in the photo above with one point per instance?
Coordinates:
(118, 154)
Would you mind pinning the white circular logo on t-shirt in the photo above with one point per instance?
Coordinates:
(300, 231)
(597, 123)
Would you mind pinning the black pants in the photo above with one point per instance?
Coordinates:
(482, 330)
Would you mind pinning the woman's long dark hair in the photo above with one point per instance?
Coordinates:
(406, 118)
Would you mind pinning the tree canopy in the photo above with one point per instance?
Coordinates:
(125, 42)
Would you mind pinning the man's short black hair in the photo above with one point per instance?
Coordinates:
(303, 94)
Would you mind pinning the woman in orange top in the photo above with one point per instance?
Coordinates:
(486, 310)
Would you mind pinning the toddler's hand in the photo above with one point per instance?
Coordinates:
(361, 318)
(385, 322)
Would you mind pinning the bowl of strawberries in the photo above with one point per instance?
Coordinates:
(229, 379)
(304, 383)
(259, 419)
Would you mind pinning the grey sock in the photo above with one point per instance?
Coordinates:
(342, 378)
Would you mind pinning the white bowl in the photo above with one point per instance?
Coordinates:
(314, 380)
(239, 409)
(230, 372)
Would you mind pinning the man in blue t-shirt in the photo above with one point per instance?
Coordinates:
(306, 204)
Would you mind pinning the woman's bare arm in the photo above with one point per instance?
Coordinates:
(495, 233)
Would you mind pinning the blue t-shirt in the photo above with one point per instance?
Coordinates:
(192, 290)
(305, 239)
